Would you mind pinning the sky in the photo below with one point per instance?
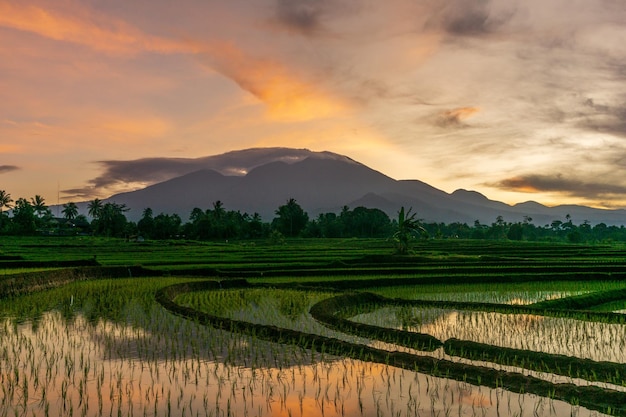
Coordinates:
(517, 99)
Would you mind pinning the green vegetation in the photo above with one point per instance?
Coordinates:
(28, 217)
(222, 327)
(522, 293)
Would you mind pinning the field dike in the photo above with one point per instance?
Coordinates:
(24, 283)
(333, 312)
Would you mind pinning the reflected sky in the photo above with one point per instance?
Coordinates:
(564, 336)
(177, 367)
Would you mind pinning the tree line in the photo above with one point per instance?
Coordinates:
(33, 216)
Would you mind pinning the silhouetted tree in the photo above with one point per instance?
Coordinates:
(5, 200)
(145, 225)
(39, 205)
(166, 226)
(70, 210)
(95, 208)
(498, 229)
(23, 217)
(254, 227)
(112, 221)
(515, 232)
(291, 219)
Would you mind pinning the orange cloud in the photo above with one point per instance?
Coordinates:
(84, 28)
(7, 148)
(455, 117)
(137, 127)
(286, 96)
(461, 113)
(519, 184)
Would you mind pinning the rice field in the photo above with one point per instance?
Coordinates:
(248, 330)
(521, 293)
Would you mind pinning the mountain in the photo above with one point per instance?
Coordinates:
(325, 182)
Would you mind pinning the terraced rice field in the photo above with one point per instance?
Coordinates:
(326, 328)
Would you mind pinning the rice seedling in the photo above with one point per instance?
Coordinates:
(105, 347)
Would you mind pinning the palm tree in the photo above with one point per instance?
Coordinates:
(407, 226)
(218, 210)
(5, 200)
(95, 208)
(70, 210)
(39, 205)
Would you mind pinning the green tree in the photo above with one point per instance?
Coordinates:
(112, 221)
(70, 210)
(94, 208)
(498, 229)
(145, 225)
(330, 225)
(166, 226)
(5, 201)
(408, 226)
(365, 222)
(254, 226)
(291, 219)
(515, 232)
(39, 205)
(218, 220)
(478, 231)
(44, 215)
(23, 217)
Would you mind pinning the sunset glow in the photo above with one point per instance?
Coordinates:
(518, 100)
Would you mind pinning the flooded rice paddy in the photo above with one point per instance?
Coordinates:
(76, 359)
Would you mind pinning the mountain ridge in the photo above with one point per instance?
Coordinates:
(325, 182)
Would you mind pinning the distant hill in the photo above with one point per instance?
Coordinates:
(325, 182)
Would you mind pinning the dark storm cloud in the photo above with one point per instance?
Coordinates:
(8, 168)
(300, 16)
(558, 183)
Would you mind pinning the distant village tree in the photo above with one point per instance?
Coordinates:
(70, 210)
(94, 208)
(39, 204)
(112, 221)
(5, 200)
(23, 217)
(291, 219)
(145, 225)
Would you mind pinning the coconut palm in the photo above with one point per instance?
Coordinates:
(39, 205)
(5, 200)
(70, 210)
(95, 208)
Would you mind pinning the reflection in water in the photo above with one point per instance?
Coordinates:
(170, 366)
(564, 336)
(519, 293)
